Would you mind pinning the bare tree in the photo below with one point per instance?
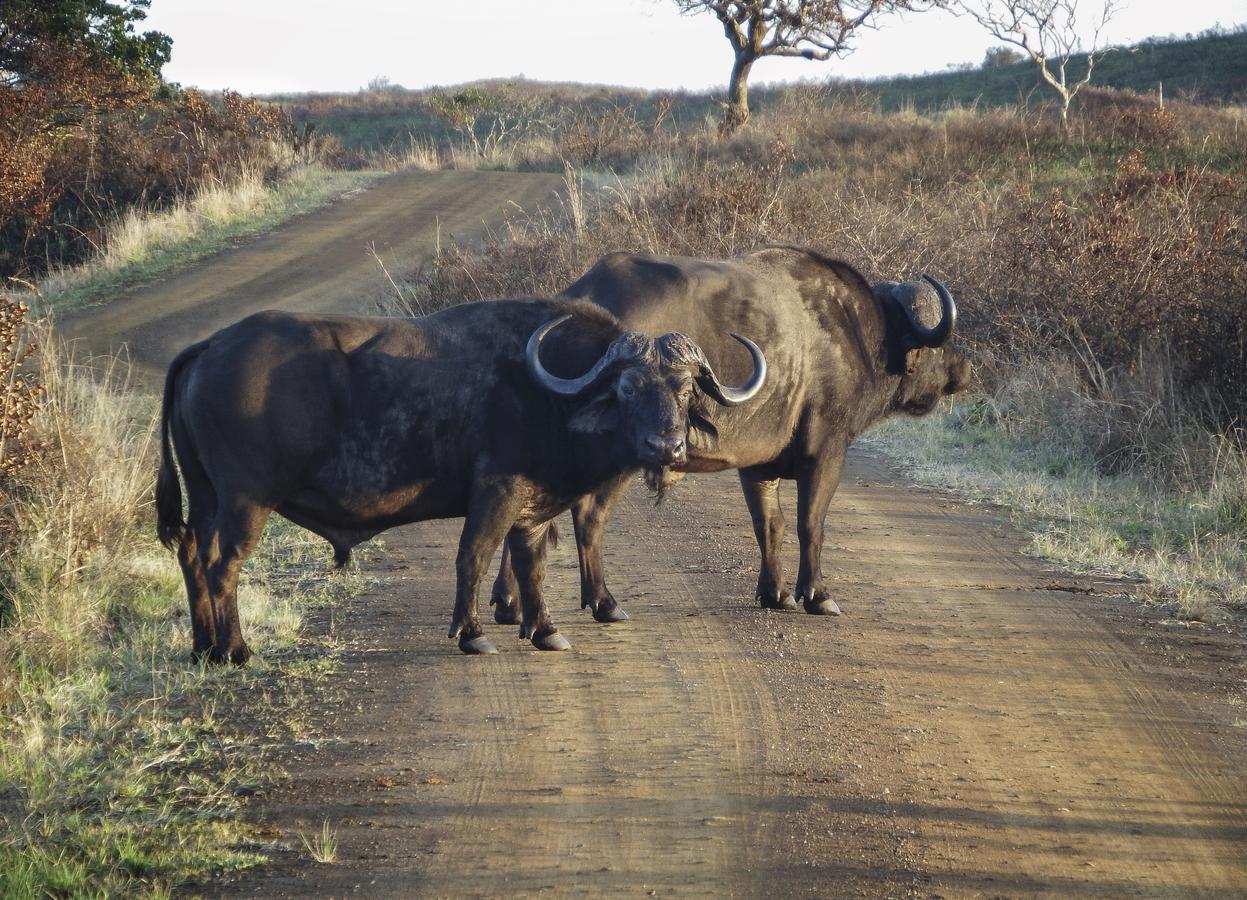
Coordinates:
(1049, 32)
(810, 29)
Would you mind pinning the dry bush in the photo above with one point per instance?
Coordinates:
(20, 392)
(72, 162)
(610, 133)
(1119, 259)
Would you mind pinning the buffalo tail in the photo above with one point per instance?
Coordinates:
(170, 526)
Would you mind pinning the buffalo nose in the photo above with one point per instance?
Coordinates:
(666, 449)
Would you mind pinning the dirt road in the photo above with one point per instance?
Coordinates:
(974, 725)
(318, 262)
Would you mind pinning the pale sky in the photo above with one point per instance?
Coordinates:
(269, 46)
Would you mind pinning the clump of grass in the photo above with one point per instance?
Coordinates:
(120, 767)
(323, 847)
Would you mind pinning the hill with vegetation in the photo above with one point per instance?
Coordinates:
(385, 119)
(1208, 68)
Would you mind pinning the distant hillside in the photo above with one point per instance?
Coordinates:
(1210, 68)
(385, 118)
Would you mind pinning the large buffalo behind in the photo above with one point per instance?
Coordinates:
(841, 355)
(351, 425)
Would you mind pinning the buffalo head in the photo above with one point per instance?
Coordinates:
(643, 390)
(930, 368)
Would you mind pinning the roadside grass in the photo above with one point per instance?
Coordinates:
(144, 244)
(1036, 443)
(122, 764)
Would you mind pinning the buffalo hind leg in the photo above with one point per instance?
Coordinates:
(815, 488)
(528, 555)
(236, 530)
(589, 515)
(492, 509)
(203, 628)
(505, 595)
(762, 498)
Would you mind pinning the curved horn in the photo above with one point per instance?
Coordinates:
(735, 396)
(567, 387)
(934, 337)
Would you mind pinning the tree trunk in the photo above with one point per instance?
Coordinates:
(737, 95)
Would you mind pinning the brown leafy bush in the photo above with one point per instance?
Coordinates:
(20, 397)
(81, 143)
(1123, 259)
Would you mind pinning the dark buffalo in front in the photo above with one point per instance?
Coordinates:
(841, 354)
(350, 425)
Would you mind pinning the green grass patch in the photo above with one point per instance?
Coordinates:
(123, 773)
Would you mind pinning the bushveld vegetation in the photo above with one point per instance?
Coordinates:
(1101, 275)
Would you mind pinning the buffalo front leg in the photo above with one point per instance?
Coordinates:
(762, 498)
(492, 509)
(528, 556)
(815, 488)
(505, 595)
(589, 515)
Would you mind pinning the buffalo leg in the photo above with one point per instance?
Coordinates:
(203, 629)
(192, 552)
(491, 512)
(528, 555)
(762, 498)
(235, 532)
(589, 515)
(504, 597)
(815, 488)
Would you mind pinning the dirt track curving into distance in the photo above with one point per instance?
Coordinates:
(974, 725)
(319, 262)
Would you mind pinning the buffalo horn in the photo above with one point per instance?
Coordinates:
(568, 387)
(735, 396)
(934, 337)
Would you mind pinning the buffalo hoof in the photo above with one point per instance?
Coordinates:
(477, 646)
(822, 607)
(235, 656)
(610, 614)
(783, 602)
(551, 641)
(506, 610)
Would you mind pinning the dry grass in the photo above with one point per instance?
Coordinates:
(1112, 474)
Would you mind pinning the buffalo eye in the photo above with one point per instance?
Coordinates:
(625, 389)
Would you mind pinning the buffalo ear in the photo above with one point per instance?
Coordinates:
(598, 416)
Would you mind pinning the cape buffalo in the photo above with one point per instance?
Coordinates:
(350, 425)
(842, 356)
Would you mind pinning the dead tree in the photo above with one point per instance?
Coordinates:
(1048, 32)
